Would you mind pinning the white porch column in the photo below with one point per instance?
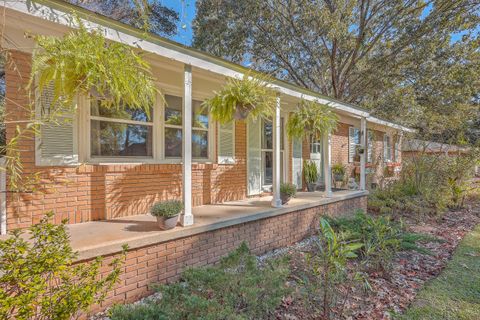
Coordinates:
(187, 217)
(363, 143)
(276, 201)
(327, 163)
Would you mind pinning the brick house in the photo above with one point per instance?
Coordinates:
(87, 175)
(103, 173)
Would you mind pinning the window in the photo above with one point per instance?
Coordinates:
(353, 142)
(173, 118)
(120, 132)
(370, 142)
(200, 124)
(131, 133)
(173, 127)
(387, 148)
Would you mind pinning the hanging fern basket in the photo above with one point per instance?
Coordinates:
(240, 99)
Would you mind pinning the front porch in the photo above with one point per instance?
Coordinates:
(100, 238)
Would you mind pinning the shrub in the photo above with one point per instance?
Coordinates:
(167, 209)
(428, 185)
(235, 289)
(310, 171)
(288, 189)
(381, 238)
(39, 280)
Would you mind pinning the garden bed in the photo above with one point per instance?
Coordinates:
(391, 294)
(390, 291)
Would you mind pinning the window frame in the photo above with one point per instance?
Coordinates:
(150, 123)
(158, 141)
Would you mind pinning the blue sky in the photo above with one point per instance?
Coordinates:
(186, 10)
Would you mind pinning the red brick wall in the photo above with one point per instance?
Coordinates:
(164, 262)
(96, 192)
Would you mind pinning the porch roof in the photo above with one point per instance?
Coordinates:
(92, 239)
(58, 12)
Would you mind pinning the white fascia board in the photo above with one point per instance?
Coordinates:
(389, 124)
(60, 17)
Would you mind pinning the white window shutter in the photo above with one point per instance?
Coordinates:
(56, 144)
(297, 162)
(226, 143)
(351, 144)
(254, 157)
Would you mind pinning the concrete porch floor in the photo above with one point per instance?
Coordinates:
(96, 238)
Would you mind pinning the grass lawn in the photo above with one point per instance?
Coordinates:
(455, 294)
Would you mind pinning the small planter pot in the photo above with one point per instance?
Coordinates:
(338, 177)
(167, 223)
(241, 112)
(311, 187)
(285, 198)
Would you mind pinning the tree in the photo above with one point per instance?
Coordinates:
(150, 15)
(359, 51)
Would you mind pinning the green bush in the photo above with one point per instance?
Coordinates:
(428, 185)
(381, 237)
(235, 289)
(39, 280)
(288, 189)
(167, 209)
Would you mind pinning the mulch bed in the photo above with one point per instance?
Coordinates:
(392, 292)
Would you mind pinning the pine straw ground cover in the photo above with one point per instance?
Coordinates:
(391, 292)
(388, 294)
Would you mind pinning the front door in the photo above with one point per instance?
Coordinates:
(316, 156)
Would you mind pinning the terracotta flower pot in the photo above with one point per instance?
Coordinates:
(167, 223)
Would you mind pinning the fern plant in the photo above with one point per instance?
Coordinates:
(239, 99)
(311, 119)
(84, 62)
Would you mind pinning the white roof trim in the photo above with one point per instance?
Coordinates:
(390, 124)
(60, 17)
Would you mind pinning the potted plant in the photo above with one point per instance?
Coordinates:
(242, 98)
(311, 119)
(287, 191)
(167, 213)
(338, 171)
(310, 174)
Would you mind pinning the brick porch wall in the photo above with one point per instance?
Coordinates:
(164, 262)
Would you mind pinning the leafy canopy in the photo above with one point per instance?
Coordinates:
(397, 58)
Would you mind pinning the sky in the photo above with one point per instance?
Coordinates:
(186, 10)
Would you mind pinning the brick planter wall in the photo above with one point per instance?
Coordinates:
(164, 262)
